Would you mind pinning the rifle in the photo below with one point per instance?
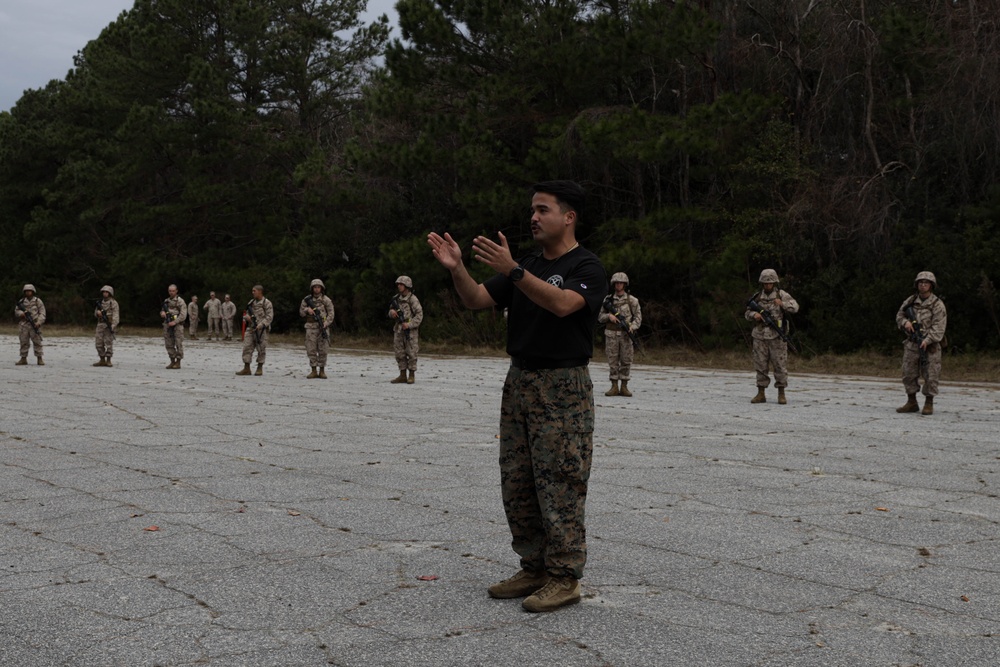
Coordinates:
(106, 319)
(311, 302)
(253, 322)
(395, 305)
(168, 317)
(769, 321)
(918, 334)
(609, 305)
(27, 315)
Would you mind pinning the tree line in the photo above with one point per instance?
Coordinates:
(848, 144)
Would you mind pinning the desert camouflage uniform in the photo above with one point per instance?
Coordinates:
(25, 333)
(103, 340)
(173, 337)
(933, 319)
(214, 308)
(228, 313)
(617, 344)
(546, 447)
(767, 345)
(193, 315)
(406, 342)
(317, 346)
(264, 312)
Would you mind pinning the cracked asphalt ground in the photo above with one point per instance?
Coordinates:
(355, 522)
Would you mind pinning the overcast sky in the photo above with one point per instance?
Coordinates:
(38, 38)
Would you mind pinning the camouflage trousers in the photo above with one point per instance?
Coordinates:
(193, 326)
(773, 351)
(546, 446)
(28, 336)
(316, 346)
(173, 340)
(251, 343)
(912, 371)
(103, 341)
(227, 326)
(620, 353)
(214, 326)
(406, 348)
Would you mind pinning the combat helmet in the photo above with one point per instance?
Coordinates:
(405, 281)
(109, 289)
(315, 282)
(925, 275)
(619, 277)
(768, 276)
(27, 287)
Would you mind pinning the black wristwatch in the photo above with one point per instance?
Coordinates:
(516, 273)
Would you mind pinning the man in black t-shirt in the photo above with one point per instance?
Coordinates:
(547, 410)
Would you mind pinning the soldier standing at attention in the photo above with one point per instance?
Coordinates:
(174, 311)
(258, 316)
(228, 313)
(617, 343)
(922, 348)
(193, 315)
(317, 308)
(547, 409)
(768, 347)
(214, 308)
(107, 323)
(30, 312)
(405, 309)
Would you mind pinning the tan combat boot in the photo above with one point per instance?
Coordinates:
(107, 362)
(322, 373)
(177, 364)
(260, 369)
(614, 389)
(312, 374)
(170, 366)
(760, 397)
(245, 371)
(928, 406)
(400, 379)
(523, 583)
(910, 405)
(781, 396)
(100, 363)
(41, 362)
(23, 361)
(624, 390)
(559, 592)
(411, 379)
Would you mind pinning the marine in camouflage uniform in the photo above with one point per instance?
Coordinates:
(932, 317)
(30, 336)
(193, 314)
(214, 308)
(617, 343)
(107, 316)
(768, 348)
(174, 312)
(255, 337)
(547, 409)
(405, 339)
(228, 313)
(317, 344)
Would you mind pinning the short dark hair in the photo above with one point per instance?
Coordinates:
(569, 194)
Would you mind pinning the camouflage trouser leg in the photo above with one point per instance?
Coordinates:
(316, 346)
(773, 351)
(406, 348)
(103, 341)
(546, 445)
(173, 340)
(912, 371)
(227, 327)
(214, 326)
(28, 336)
(251, 343)
(193, 326)
(620, 353)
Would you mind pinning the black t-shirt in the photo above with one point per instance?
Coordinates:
(536, 333)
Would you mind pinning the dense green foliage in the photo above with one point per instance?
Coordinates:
(846, 144)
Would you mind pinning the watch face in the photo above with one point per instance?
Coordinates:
(516, 273)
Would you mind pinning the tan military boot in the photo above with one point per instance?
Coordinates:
(312, 374)
(399, 380)
(910, 405)
(170, 366)
(760, 397)
(322, 373)
(260, 369)
(107, 362)
(41, 362)
(23, 361)
(624, 390)
(614, 389)
(559, 592)
(100, 363)
(928, 406)
(245, 371)
(781, 396)
(523, 583)
(177, 364)
(411, 379)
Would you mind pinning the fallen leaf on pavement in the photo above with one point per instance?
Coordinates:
(294, 513)
(152, 529)
(428, 577)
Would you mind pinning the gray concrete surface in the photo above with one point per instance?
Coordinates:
(295, 518)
